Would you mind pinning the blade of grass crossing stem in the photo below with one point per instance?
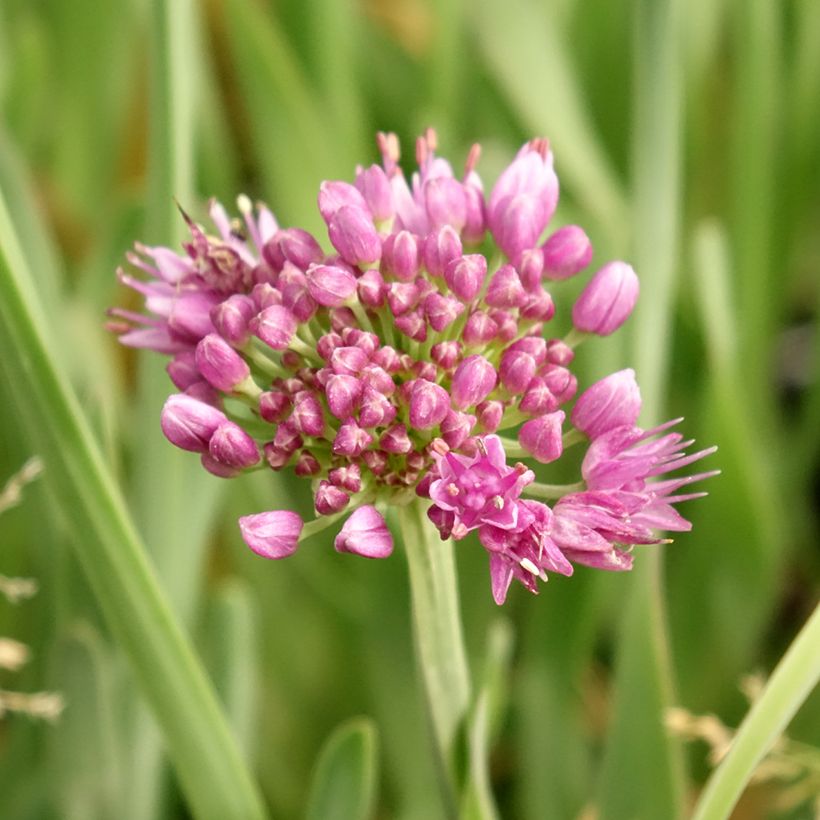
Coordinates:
(525, 53)
(212, 775)
(642, 680)
(175, 499)
(790, 685)
(346, 774)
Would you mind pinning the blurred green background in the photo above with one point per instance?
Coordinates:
(686, 140)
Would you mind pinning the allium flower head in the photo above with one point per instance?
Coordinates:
(386, 361)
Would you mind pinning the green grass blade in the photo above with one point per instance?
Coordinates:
(790, 685)
(213, 776)
(344, 782)
(642, 684)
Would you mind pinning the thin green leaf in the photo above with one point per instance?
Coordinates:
(345, 778)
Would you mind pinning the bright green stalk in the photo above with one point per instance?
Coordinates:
(791, 683)
(211, 772)
(642, 684)
(438, 635)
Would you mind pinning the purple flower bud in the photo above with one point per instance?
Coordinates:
(445, 202)
(606, 302)
(441, 311)
(287, 438)
(456, 427)
(536, 346)
(348, 361)
(611, 402)
(265, 295)
(232, 446)
(335, 195)
(274, 406)
(530, 267)
(559, 353)
(378, 378)
(566, 252)
(292, 245)
(217, 468)
(425, 370)
(475, 378)
(562, 384)
(342, 317)
(507, 324)
(465, 276)
(371, 289)
(327, 343)
(231, 317)
(343, 393)
(376, 409)
(374, 186)
(480, 329)
(329, 499)
(516, 370)
(330, 285)
(352, 233)
(376, 461)
(429, 404)
(307, 465)
(396, 440)
(440, 248)
(539, 306)
(183, 370)
(388, 358)
(369, 342)
(446, 354)
(537, 399)
(541, 437)
(220, 364)
(308, 415)
(348, 477)
(505, 289)
(489, 415)
(518, 225)
(275, 326)
(412, 325)
(400, 256)
(188, 423)
(190, 316)
(365, 533)
(272, 534)
(476, 216)
(402, 296)
(204, 392)
(351, 440)
(295, 293)
(443, 521)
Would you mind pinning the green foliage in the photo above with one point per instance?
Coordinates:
(685, 138)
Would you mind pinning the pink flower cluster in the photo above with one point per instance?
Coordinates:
(383, 370)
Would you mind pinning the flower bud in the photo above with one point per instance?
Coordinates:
(307, 465)
(190, 316)
(183, 370)
(376, 461)
(440, 248)
(351, 440)
(465, 276)
(373, 185)
(530, 267)
(445, 202)
(479, 329)
(400, 256)
(456, 427)
(334, 195)
(329, 499)
(541, 437)
(507, 325)
(396, 440)
(441, 311)
(232, 446)
(566, 252)
(365, 533)
(536, 346)
(287, 438)
(352, 233)
(189, 423)
(505, 289)
(539, 306)
(412, 325)
(614, 401)
(378, 378)
(371, 288)
(376, 409)
(429, 404)
(231, 318)
(445, 354)
(516, 370)
(330, 285)
(308, 416)
(537, 399)
(559, 353)
(272, 534)
(476, 217)
(475, 378)
(401, 297)
(292, 245)
(348, 477)
(489, 415)
(265, 295)
(606, 302)
(220, 364)
(217, 468)
(274, 406)
(388, 358)
(343, 394)
(275, 326)
(348, 361)
(561, 382)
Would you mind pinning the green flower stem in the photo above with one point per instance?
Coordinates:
(438, 634)
(539, 490)
(212, 774)
(790, 684)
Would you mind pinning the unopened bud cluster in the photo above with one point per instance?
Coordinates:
(385, 369)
